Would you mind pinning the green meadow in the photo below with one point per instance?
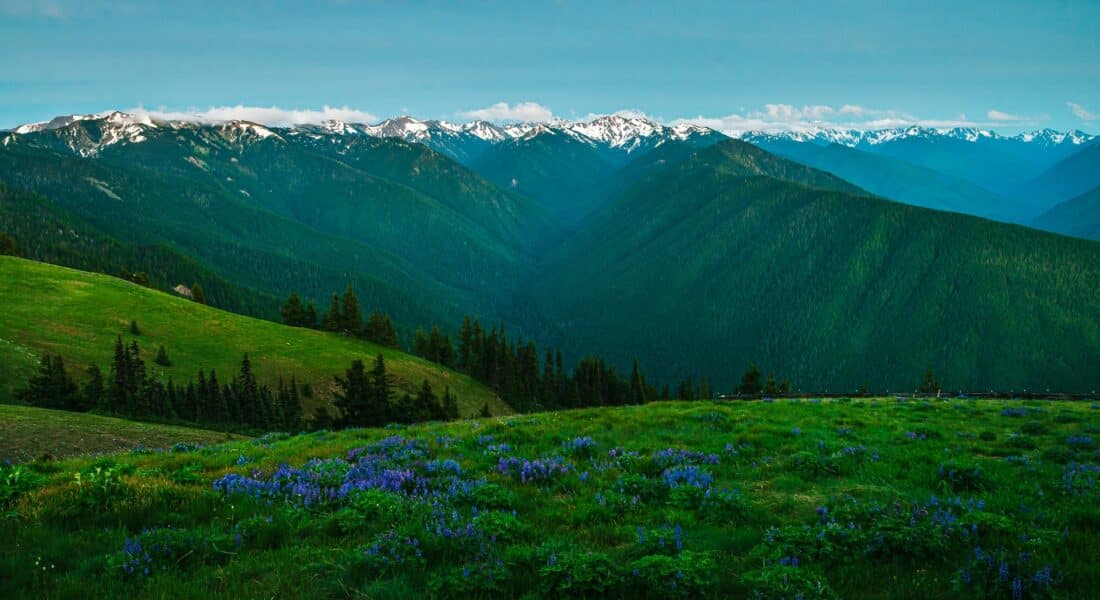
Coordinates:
(852, 498)
(38, 433)
(78, 315)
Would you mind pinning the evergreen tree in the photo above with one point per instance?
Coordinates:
(350, 320)
(484, 412)
(134, 329)
(356, 401)
(162, 357)
(771, 387)
(426, 406)
(465, 344)
(637, 385)
(381, 391)
(247, 390)
(784, 387)
(93, 394)
(380, 330)
(118, 390)
(704, 392)
(450, 405)
(420, 344)
(197, 293)
(294, 314)
(217, 402)
(136, 402)
(750, 381)
(8, 247)
(930, 385)
(310, 317)
(292, 412)
(51, 386)
(440, 348)
(686, 391)
(333, 319)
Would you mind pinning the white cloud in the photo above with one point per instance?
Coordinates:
(274, 115)
(996, 115)
(502, 111)
(1081, 113)
(787, 117)
(32, 8)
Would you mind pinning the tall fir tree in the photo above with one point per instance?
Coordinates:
(333, 319)
(93, 392)
(380, 330)
(465, 343)
(449, 405)
(51, 386)
(750, 381)
(292, 413)
(637, 385)
(356, 401)
(293, 313)
(351, 321)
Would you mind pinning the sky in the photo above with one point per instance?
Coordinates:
(1005, 65)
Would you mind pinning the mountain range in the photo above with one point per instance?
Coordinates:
(813, 253)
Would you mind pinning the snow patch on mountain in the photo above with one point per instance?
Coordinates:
(856, 137)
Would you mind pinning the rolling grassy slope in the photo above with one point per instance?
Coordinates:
(78, 314)
(875, 498)
(718, 262)
(31, 433)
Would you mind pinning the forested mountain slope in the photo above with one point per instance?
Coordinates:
(717, 262)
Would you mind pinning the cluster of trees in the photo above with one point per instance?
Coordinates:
(513, 369)
(7, 246)
(343, 316)
(367, 399)
(130, 391)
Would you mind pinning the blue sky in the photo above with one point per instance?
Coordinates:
(1008, 65)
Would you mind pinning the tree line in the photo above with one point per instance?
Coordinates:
(368, 399)
(526, 380)
(129, 390)
(343, 316)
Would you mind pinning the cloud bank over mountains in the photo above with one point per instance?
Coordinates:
(770, 118)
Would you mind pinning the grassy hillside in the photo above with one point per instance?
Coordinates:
(78, 314)
(710, 266)
(871, 498)
(1079, 217)
(31, 433)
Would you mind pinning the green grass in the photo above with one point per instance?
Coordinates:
(891, 529)
(77, 314)
(34, 433)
